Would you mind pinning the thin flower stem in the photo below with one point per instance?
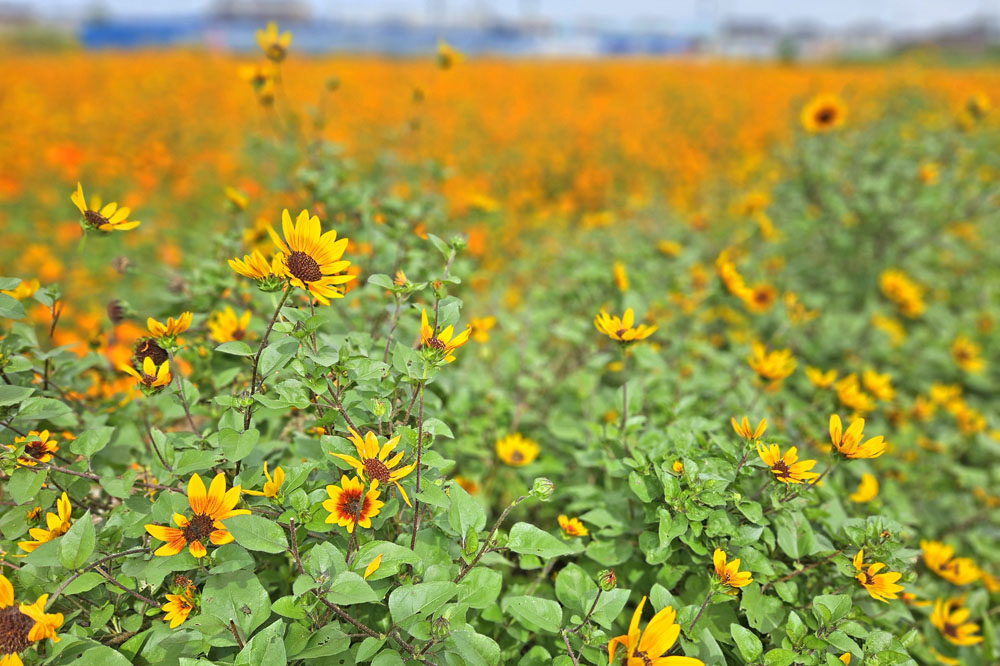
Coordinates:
(143, 599)
(420, 446)
(803, 569)
(489, 537)
(704, 605)
(248, 416)
(294, 548)
(236, 634)
(593, 606)
(180, 394)
(569, 649)
(621, 426)
(55, 595)
(392, 328)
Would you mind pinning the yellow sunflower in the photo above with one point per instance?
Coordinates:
(178, 607)
(226, 327)
(823, 113)
(272, 486)
(622, 330)
(208, 510)
(787, 468)
(516, 450)
(650, 647)
(349, 504)
(445, 341)
(310, 259)
(37, 447)
(950, 619)
(151, 377)
(881, 586)
(274, 46)
(107, 218)
(256, 266)
(729, 574)
(867, 489)
(57, 523)
(849, 443)
(940, 558)
(572, 527)
(23, 624)
(374, 461)
(172, 328)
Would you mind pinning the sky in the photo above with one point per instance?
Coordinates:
(899, 14)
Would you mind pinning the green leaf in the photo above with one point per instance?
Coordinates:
(83, 583)
(828, 608)
(257, 533)
(527, 539)
(480, 587)
(265, 649)
(239, 597)
(393, 557)
(235, 347)
(288, 607)
(350, 588)
(747, 642)
(534, 613)
(91, 441)
(475, 649)
(388, 658)
(36, 409)
(24, 484)
(465, 512)
(10, 308)
(11, 395)
(381, 280)
(327, 641)
(238, 445)
(575, 589)
(421, 599)
(78, 543)
(779, 657)
(103, 656)
(764, 613)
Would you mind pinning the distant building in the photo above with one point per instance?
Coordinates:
(260, 10)
(748, 39)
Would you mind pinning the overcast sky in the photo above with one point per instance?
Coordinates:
(677, 13)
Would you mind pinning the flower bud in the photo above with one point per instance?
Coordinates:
(543, 489)
(439, 627)
(607, 580)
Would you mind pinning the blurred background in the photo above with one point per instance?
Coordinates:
(757, 29)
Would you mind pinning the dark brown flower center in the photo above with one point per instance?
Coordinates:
(352, 504)
(825, 116)
(199, 528)
(94, 219)
(14, 628)
(147, 347)
(376, 469)
(35, 449)
(434, 343)
(516, 456)
(869, 579)
(620, 332)
(239, 334)
(637, 654)
(950, 629)
(781, 469)
(304, 267)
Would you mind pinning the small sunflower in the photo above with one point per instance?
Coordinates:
(516, 450)
(310, 259)
(481, 327)
(108, 218)
(622, 330)
(178, 607)
(967, 354)
(651, 647)
(208, 510)
(225, 326)
(771, 365)
(444, 341)
(172, 328)
(272, 486)
(38, 448)
(729, 574)
(274, 46)
(349, 504)
(849, 443)
(374, 461)
(787, 468)
(950, 619)
(940, 558)
(823, 113)
(152, 377)
(447, 56)
(881, 586)
(867, 489)
(743, 429)
(572, 527)
(819, 378)
(23, 624)
(58, 524)
(256, 266)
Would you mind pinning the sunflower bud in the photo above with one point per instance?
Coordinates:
(440, 627)
(378, 407)
(543, 489)
(607, 580)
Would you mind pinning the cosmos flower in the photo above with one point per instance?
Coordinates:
(108, 218)
(849, 443)
(823, 113)
(572, 527)
(346, 505)
(940, 558)
(867, 489)
(38, 447)
(310, 259)
(516, 450)
(208, 510)
(787, 468)
(377, 463)
(622, 329)
(881, 586)
(729, 575)
(950, 619)
(445, 341)
(57, 524)
(650, 647)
